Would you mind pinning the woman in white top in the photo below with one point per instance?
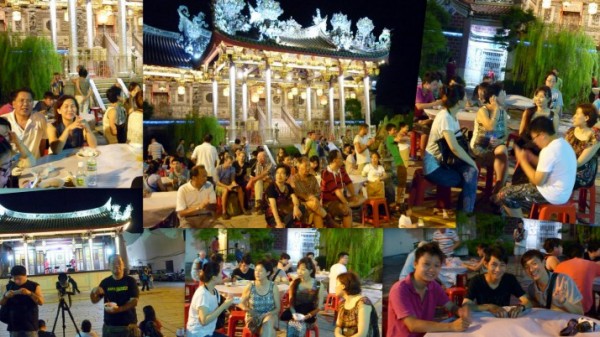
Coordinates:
(463, 173)
(205, 308)
(135, 128)
(375, 174)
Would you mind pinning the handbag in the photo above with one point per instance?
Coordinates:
(375, 189)
(448, 157)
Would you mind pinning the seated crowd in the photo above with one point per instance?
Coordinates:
(263, 301)
(414, 298)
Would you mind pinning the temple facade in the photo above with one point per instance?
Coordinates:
(263, 76)
(60, 242)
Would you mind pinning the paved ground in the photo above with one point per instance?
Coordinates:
(166, 298)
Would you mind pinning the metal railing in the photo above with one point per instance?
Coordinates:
(97, 96)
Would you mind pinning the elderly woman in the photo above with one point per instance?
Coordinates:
(489, 134)
(205, 308)
(283, 205)
(69, 130)
(308, 191)
(306, 299)
(354, 317)
(463, 172)
(585, 140)
(261, 302)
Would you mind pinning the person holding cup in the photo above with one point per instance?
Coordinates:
(69, 130)
(205, 307)
(306, 300)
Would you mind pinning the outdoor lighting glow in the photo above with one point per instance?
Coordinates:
(294, 91)
(593, 9)
(102, 17)
(323, 101)
(16, 15)
(109, 251)
(353, 95)
(303, 95)
(181, 90)
(226, 92)
(260, 90)
(10, 257)
(255, 98)
(319, 92)
(290, 95)
(140, 21)
(546, 4)
(66, 17)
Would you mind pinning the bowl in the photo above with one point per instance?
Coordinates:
(110, 305)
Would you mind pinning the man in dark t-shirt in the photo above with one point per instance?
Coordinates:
(243, 271)
(23, 297)
(120, 293)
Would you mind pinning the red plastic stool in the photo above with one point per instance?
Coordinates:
(97, 114)
(565, 213)
(415, 142)
(314, 328)
(375, 218)
(235, 317)
(331, 302)
(186, 313)
(418, 186)
(489, 179)
(456, 295)
(583, 205)
(247, 333)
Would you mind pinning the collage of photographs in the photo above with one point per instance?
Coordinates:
(269, 168)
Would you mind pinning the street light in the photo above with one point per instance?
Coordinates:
(16, 15)
(593, 9)
(546, 4)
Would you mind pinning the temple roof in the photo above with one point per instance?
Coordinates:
(487, 8)
(163, 48)
(15, 225)
(316, 45)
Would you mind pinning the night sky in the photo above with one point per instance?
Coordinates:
(397, 82)
(69, 200)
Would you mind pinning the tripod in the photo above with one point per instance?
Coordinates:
(62, 306)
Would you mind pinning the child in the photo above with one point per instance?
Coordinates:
(150, 326)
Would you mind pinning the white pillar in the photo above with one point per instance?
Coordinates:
(73, 25)
(91, 249)
(26, 251)
(269, 106)
(331, 110)
(342, 102)
(89, 20)
(308, 105)
(367, 88)
(244, 102)
(53, 23)
(215, 98)
(122, 17)
(117, 244)
(232, 128)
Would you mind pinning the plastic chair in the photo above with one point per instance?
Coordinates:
(375, 218)
(235, 317)
(583, 205)
(565, 213)
(418, 187)
(415, 143)
(456, 295)
(314, 328)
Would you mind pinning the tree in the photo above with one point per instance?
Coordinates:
(514, 27)
(434, 48)
(354, 108)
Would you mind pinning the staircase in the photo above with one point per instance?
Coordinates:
(102, 84)
(289, 133)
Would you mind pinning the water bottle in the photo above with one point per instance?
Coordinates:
(92, 179)
(80, 176)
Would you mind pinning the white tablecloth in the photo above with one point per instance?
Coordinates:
(117, 165)
(518, 102)
(537, 323)
(237, 290)
(319, 276)
(158, 206)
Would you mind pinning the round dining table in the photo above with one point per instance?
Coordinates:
(237, 289)
(117, 166)
(158, 206)
(536, 322)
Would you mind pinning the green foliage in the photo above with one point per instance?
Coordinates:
(380, 113)
(26, 62)
(148, 110)
(572, 52)
(194, 129)
(206, 235)
(514, 26)
(291, 150)
(230, 258)
(364, 246)
(434, 48)
(354, 107)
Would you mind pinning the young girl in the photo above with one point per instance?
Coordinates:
(150, 326)
(375, 174)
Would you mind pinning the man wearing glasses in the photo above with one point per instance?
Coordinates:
(551, 181)
(29, 126)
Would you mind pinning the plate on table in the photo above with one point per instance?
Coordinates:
(88, 152)
(51, 183)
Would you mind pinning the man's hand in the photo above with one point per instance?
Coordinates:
(497, 311)
(460, 324)
(98, 291)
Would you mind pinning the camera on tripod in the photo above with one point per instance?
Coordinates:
(64, 286)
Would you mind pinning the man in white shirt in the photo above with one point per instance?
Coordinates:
(155, 149)
(197, 265)
(551, 181)
(361, 147)
(337, 269)
(29, 126)
(196, 200)
(206, 154)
